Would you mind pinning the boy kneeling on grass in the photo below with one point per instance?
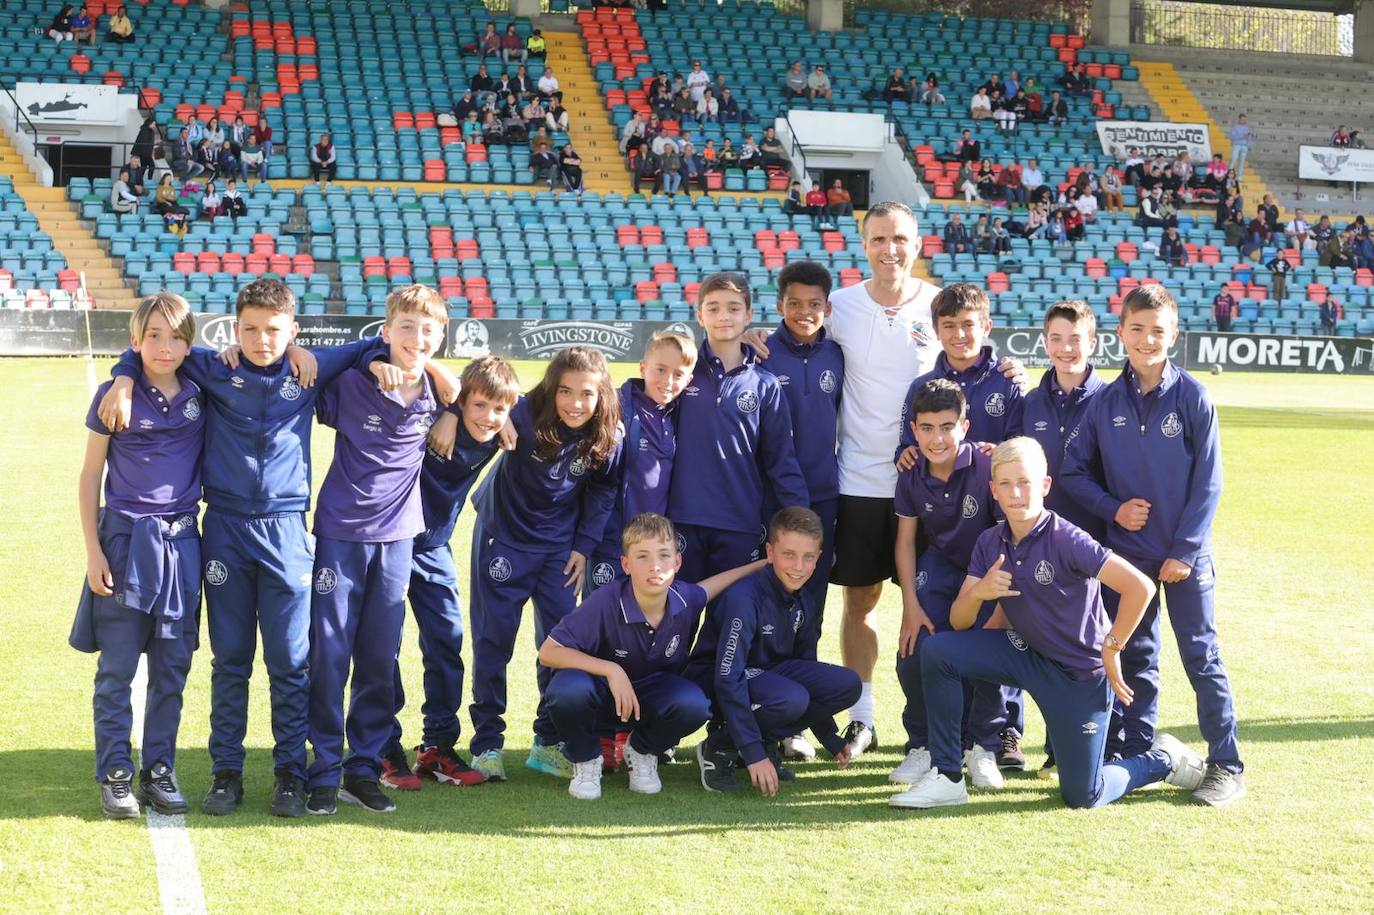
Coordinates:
(620, 657)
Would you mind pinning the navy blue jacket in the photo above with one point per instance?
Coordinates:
(546, 506)
(257, 437)
(812, 379)
(994, 400)
(445, 482)
(1051, 417)
(754, 625)
(645, 469)
(734, 444)
(1164, 448)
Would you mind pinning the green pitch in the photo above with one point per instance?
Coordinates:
(1295, 564)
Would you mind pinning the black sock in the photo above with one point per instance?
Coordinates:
(956, 776)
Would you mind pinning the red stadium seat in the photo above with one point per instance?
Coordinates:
(998, 282)
(303, 264)
(646, 291)
(232, 264)
(1316, 292)
(184, 262)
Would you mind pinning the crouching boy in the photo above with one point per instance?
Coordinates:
(757, 656)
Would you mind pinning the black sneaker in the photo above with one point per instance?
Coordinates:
(117, 795)
(784, 773)
(1009, 757)
(288, 797)
(225, 795)
(860, 738)
(366, 793)
(1219, 787)
(158, 789)
(324, 801)
(717, 767)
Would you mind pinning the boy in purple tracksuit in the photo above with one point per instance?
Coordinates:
(756, 657)
(946, 495)
(257, 551)
(462, 442)
(734, 440)
(540, 513)
(963, 320)
(1152, 436)
(142, 590)
(620, 658)
(648, 409)
(1044, 573)
(365, 525)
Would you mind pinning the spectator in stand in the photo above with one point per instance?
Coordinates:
(521, 83)
(533, 113)
(671, 166)
(1231, 218)
(208, 159)
(503, 85)
(1086, 204)
(931, 94)
(481, 83)
(772, 152)
(796, 200)
(1011, 186)
(1336, 252)
(513, 47)
(1057, 110)
(252, 159)
(1298, 232)
(121, 28)
(698, 81)
(839, 200)
(956, 237)
(1171, 248)
(728, 156)
(684, 108)
(1257, 236)
(557, 118)
(1076, 81)
(1216, 173)
(648, 170)
(815, 205)
(967, 181)
(1150, 216)
(1241, 137)
(233, 203)
(1279, 268)
(167, 203)
(708, 109)
(262, 132)
(693, 169)
(794, 82)
(1133, 166)
(1001, 238)
(227, 164)
(1011, 86)
(122, 197)
(1270, 211)
(1055, 230)
(749, 155)
(987, 182)
(896, 88)
(1322, 232)
(214, 132)
(1032, 177)
(535, 46)
(512, 124)
(1225, 309)
(1035, 107)
(83, 27)
(709, 156)
(548, 83)
(1168, 209)
(472, 128)
(1019, 105)
(1330, 312)
(324, 160)
(544, 165)
(1073, 224)
(632, 134)
(730, 110)
(570, 167)
(982, 235)
(1003, 113)
(490, 43)
(238, 132)
(539, 138)
(968, 149)
(60, 29)
(1362, 249)
(818, 84)
(1112, 195)
(980, 106)
(1036, 221)
(149, 135)
(211, 203)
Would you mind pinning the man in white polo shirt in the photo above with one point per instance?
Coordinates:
(885, 330)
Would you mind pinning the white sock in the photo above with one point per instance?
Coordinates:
(863, 709)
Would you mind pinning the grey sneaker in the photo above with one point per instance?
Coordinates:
(117, 795)
(225, 794)
(1219, 787)
(158, 789)
(1186, 768)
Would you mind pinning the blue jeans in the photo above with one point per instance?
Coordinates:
(1238, 153)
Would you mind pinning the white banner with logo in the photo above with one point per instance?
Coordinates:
(79, 103)
(1331, 163)
(1154, 137)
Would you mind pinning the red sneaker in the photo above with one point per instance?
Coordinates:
(613, 752)
(396, 773)
(445, 766)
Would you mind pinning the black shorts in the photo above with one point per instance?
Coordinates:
(865, 541)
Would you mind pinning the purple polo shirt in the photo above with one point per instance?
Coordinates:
(609, 625)
(370, 494)
(153, 466)
(1059, 612)
(954, 512)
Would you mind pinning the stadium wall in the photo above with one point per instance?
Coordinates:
(76, 333)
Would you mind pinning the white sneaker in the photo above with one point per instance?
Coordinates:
(586, 780)
(913, 768)
(982, 769)
(1186, 768)
(933, 790)
(643, 771)
(799, 748)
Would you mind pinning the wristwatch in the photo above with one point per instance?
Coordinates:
(1112, 643)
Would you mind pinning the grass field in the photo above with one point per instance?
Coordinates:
(1295, 567)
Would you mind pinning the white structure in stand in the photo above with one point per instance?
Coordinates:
(852, 142)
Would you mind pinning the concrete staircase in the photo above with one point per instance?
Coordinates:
(1288, 99)
(589, 127)
(57, 217)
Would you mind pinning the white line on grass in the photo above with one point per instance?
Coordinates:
(178, 873)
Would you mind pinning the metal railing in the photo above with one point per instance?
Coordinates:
(796, 149)
(1074, 12)
(1213, 25)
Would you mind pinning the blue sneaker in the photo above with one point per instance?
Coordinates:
(549, 759)
(491, 765)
